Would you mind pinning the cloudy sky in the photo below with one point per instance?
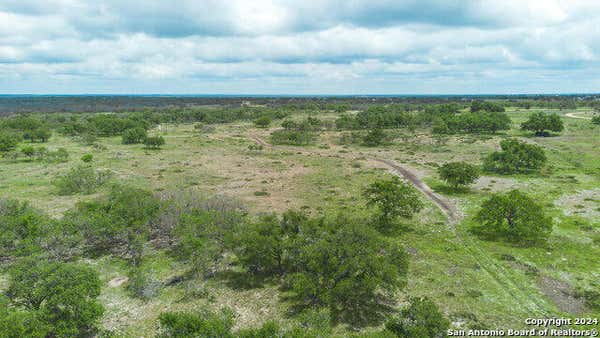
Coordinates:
(299, 47)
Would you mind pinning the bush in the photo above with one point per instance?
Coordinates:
(119, 223)
(154, 142)
(458, 173)
(539, 122)
(514, 216)
(262, 122)
(596, 119)
(393, 198)
(422, 318)
(143, 284)
(133, 135)
(57, 156)
(374, 137)
(82, 179)
(292, 137)
(22, 228)
(8, 141)
(62, 295)
(199, 324)
(515, 157)
(87, 158)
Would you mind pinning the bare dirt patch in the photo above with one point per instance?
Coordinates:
(495, 184)
(116, 282)
(561, 294)
(585, 203)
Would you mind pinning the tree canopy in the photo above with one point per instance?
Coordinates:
(393, 198)
(458, 173)
(540, 122)
(514, 216)
(516, 157)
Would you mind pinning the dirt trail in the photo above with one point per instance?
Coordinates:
(572, 115)
(445, 205)
(513, 289)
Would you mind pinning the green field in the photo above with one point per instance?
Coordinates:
(475, 282)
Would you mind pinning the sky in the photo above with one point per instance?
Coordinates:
(299, 47)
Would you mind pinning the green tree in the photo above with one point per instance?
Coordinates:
(63, 295)
(348, 268)
(133, 135)
(22, 228)
(154, 142)
(514, 216)
(28, 151)
(262, 122)
(595, 120)
(119, 223)
(374, 138)
(421, 318)
(540, 122)
(393, 198)
(515, 157)
(458, 173)
(8, 141)
(18, 323)
(198, 324)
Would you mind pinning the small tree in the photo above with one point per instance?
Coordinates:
(375, 137)
(262, 122)
(393, 198)
(28, 151)
(515, 157)
(458, 173)
(63, 295)
(133, 135)
(515, 216)
(539, 122)
(8, 141)
(596, 119)
(154, 142)
(421, 318)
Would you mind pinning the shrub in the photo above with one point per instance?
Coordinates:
(82, 179)
(539, 122)
(28, 151)
(458, 173)
(8, 141)
(57, 156)
(292, 137)
(143, 284)
(262, 122)
(154, 142)
(133, 135)
(374, 137)
(421, 318)
(118, 223)
(393, 198)
(61, 295)
(514, 216)
(22, 228)
(596, 119)
(87, 158)
(515, 157)
(199, 324)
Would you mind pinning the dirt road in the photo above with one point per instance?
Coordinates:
(572, 115)
(445, 205)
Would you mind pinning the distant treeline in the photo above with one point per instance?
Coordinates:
(120, 103)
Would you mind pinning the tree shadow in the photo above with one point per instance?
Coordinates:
(241, 280)
(371, 313)
(450, 190)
